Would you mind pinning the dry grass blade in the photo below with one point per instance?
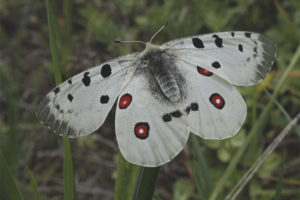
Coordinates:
(249, 174)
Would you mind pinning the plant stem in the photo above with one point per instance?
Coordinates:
(145, 183)
(68, 172)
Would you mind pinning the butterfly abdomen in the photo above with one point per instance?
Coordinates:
(161, 67)
(168, 86)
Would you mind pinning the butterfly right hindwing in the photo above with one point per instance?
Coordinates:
(216, 109)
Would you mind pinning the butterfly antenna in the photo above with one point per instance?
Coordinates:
(129, 41)
(161, 28)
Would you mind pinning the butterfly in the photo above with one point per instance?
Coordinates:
(163, 93)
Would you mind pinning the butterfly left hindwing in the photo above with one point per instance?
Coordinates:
(143, 135)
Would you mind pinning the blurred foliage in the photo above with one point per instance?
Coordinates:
(25, 78)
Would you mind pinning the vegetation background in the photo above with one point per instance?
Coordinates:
(86, 31)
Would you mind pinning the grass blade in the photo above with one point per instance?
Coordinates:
(201, 160)
(250, 173)
(256, 130)
(33, 185)
(8, 186)
(53, 41)
(68, 173)
(278, 194)
(69, 192)
(196, 177)
(126, 179)
(145, 183)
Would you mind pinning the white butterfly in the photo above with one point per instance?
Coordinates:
(164, 93)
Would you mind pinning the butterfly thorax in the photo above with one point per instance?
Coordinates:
(163, 70)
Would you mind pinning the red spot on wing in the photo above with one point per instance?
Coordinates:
(204, 72)
(141, 130)
(217, 100)
(125, 101)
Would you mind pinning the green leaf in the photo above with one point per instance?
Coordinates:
(126, 179)
(269, 165)
(145, 183)
(183, 190)
(204, 169)
(33, 185)
(69, 192)
(279, 186)
(68, 173)
(8, 186)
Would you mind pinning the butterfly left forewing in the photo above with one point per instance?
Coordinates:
(80, 105)
(241, 58)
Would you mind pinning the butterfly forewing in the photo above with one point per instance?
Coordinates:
(241, 58)
(80, 105)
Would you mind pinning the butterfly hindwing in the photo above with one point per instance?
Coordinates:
(80, 105)
(241, 58)
(215, 108)
(150, 132)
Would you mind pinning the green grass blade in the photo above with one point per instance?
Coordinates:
(203, 165)
(69, 192)
(256, 130)
(68, 173)
(145, 183)
(279, 186)
(126, 179)
(8, 186)
(68, 19)
(53, 41)
(9, 140)
(33, 185)
(196, 177)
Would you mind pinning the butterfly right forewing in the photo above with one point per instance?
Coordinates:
(241, 58)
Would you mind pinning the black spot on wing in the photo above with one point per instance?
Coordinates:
(247, 34)
(106, 70)
(194, 106)
(167, 117)
(197, 43)
(188, 110)
(70, 81)
(240, 48)
(104, 99)
(70, 97)
(56, 90)
(86, 79)
(232, 34)
(216, 64)
(218, 41)
(176, 114)
(255, 49)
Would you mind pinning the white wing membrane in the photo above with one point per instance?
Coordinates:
(80, 105)
(143, 136)
(241, 58)
(216, 108)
